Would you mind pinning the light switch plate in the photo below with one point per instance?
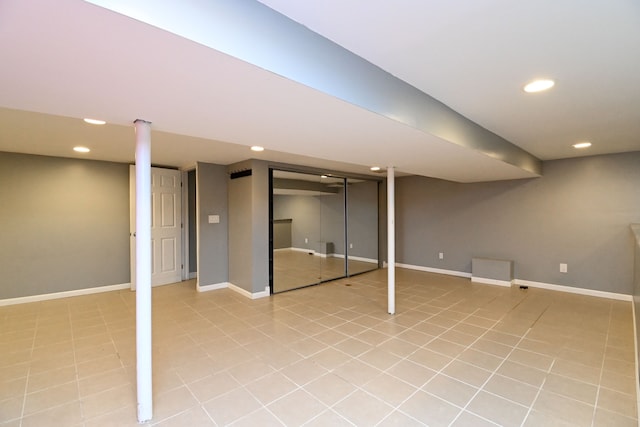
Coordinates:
(214, 219)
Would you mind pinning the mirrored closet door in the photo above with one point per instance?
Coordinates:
(309, 228)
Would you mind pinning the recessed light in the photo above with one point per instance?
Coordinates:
(324, 176)
(257, 148)
(95, 121)
(81, 149)
(582, 145)
(539, 85)
(375, 168)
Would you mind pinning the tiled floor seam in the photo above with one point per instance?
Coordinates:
(604, 357)
(440, 372)
(535, 399)
(504, 359)
(26, 384)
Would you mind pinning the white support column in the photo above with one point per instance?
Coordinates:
(391, 241)
(143, 270)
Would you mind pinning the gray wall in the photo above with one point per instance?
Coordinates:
(240, 233)
(281, 234)
(260, 225)
(191, 202)
(304, 211)
(317, 218)
(65, 224)
(321, 218)
(213, 256)
(249, 227)
(577, 213)
(362, 206)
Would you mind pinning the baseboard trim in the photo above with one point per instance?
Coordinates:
(573, 290)
(331, 255)
(433, 270)
(211, 287)
(486, 281)
(307, 250)
(238, 289)
(255, 295)
(64, 294)
(521, 282)
(311, 252)
(193, 275)
(355, 258)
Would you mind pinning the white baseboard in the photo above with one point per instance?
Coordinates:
(355, 258)
(263, 294)
(193, 275)
(64, 294)
(521, 282)
(307, 250)
(211, 287)
(573, 290)
(331, 255)
(486, 281)
(238, 289)
(433, 270)
(255, 295)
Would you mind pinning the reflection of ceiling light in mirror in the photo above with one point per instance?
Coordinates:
(539, 85)
(375, 168)
(257, 148)
(582, 145)
(81, 149)
(95, 121)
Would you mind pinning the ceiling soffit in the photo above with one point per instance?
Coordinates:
(254, 33)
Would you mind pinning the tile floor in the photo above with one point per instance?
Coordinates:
(456, 354)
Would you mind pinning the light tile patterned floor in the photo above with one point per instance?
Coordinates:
(456, 354)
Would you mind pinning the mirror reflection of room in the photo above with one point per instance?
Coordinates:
(309, 228)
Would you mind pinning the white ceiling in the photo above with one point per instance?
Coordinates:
(475, 56)
(69, 59)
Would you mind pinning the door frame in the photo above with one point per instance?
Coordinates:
(186, 226)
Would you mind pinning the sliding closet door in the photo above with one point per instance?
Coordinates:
(296, 230)
(323, 228)
(308, 229)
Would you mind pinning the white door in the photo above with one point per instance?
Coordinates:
(166, 226)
